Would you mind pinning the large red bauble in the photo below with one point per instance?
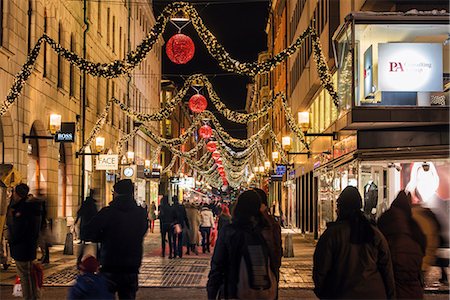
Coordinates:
(180, 49)
(205, 131)
(198, 103)
(219, 161)
(216, 154)
(220, 168)
(211, 146)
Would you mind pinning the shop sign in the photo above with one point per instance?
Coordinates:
(174, 179)
(152, 173)
(107, 162)
(410, 67)
(280, 170)
(66, 134)
(345, 146)
(291, 175)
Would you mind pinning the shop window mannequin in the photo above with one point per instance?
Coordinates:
(370, 199)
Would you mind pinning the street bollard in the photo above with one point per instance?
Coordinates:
(68, 244)
(288, 246)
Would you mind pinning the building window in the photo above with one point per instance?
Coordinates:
(120, 41)
(29, 13)
(108, 23)
(107, 96)
(98, 104)
(113, 92)
(113, 34)
(2, 6)
(99, 17)
(72, 69)
(60, 59)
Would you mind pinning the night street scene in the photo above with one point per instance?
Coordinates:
(224, 149)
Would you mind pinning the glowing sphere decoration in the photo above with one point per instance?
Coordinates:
(216, 155)
(180, 49)
(198, 103)
(205, 131)
(211, 146)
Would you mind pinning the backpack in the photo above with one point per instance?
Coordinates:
(256, 278)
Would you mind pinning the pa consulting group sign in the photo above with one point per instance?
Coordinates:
(410, 67)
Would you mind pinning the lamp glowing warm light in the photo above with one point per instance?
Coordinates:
(55, 123)
(180, 16)
(147, 163)
(130, 156)
(99, 143)
(267, 165)
(261, 169)
(286, 142)
(275, 155)
(255, 169)
(303, 120)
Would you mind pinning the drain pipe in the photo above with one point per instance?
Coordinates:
(129, 75)
(83, 101)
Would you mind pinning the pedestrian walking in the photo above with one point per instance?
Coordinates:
(120, 228)
(352, 258)
(181, 223)
(206, 224)
(152, 216)
(45, 240)
(240, 265)
(193, 216)
(271, 231)
(407, 245)
(24, 218)
(166, 217)
(87, 211)
(224, 218)
(89, 284)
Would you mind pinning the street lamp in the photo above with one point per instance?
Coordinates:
(286, 142)
(147, 163)
(303, 121)
(130, 156)
(275, 156)
(255, 170)
(99, 143)
(55, 123)
(267, 165)
(261, 169)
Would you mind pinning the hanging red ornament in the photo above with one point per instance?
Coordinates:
(216, 154)
(198, 103)
(205, 131)
(219, 161)
(211, 146)
(220, 168)
(180, 49)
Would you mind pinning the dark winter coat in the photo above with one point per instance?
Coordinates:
(90, 286)
(272, 234)
(86, 212)
(180, 216)
(120, 228)
(223, 220)
(225, 262)
(344, 270)
(24, 224)
(166, 214)
(407, 245)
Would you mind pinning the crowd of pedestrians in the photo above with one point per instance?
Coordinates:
(354, 258)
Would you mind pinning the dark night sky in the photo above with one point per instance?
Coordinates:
(239, 26)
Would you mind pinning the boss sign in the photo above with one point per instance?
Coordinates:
(410, 67)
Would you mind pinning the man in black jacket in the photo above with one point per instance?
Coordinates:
(24, 218)
(120, 228)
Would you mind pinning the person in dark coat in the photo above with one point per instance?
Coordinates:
(87, 211)
(88, 284)
(180, 217)
(24, 221)
(352, 258)
(407, 244)
(120, 228)
(224, 218)
(223, 277)
(166, 217)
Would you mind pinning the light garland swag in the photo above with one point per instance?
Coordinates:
(98, 125)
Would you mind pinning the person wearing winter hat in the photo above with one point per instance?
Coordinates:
(88, 284)
(24, 219)
(120, 227)
(352, 258)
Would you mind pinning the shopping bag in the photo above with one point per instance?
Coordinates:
(17, 289)
(213, 237)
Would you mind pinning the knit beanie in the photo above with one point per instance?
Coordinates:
(124, 187)
(89, 264)
(22, 190)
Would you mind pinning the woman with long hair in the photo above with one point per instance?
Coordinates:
(352, 259)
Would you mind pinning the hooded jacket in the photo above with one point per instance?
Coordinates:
(120, 227)
(24, 222)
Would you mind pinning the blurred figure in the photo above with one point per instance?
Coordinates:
(166, 216)
(272, 233)
(224, 218)
(24, 218)
(87, 211)
(193, 217)
(407, 244)
(45, 240)
(152, 216)
(352, 258)
(120, 228)
(206, 224)
(180, 218)
(89, 285)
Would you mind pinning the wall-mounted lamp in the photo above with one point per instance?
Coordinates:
(261, 169)
(147, 163)
(275, 156)
(99, 144)
(54, 126)
(130, 156)
(303, 121)
(286, 142)
(267, 165)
